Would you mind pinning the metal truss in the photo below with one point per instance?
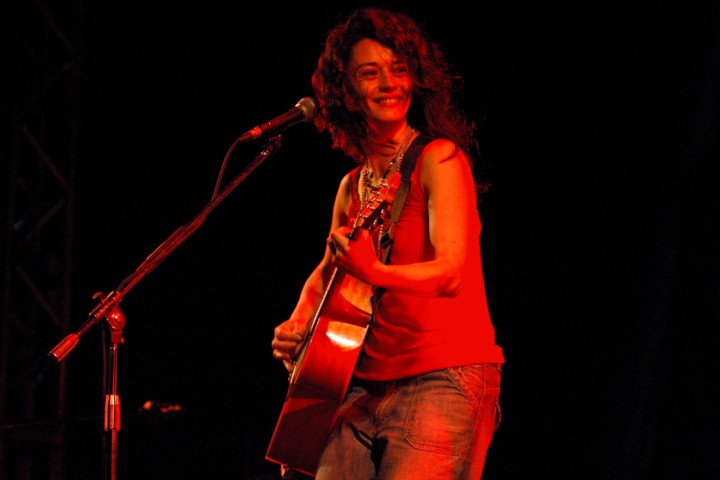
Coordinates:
(39, 156)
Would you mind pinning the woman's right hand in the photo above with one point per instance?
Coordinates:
(287, 341)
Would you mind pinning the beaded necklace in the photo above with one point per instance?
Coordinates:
(366, 189)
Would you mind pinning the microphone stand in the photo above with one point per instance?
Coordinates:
(108, 306)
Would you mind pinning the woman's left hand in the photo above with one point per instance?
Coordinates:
(357, 256)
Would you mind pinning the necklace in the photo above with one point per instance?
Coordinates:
(366, 189)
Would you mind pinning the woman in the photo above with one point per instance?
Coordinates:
(423, 398)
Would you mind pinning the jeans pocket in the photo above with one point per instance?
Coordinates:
(440, 417)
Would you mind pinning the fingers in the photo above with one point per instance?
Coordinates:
(338, 240)
(285, 340)
(337, 251)
(283, 356)
(331, 245)
(339, 245)
(285, 359)
(285, 343)
(282, 334)
(280, 355)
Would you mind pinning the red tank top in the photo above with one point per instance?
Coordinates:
(412, 335)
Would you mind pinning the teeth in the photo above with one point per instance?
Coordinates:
(389, 100)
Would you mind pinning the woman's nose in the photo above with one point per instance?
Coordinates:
(387, 79)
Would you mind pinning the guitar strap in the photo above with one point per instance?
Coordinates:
(406, 168)
(386, 242)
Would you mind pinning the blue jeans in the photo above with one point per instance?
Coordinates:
(436, 425)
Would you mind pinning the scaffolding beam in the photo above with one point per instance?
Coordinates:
(39, 161)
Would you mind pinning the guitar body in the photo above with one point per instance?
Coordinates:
(321, 375)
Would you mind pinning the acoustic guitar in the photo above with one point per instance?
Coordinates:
(324, 365)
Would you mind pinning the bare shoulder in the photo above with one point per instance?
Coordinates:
(441, 155)
(345, 187)
(344, 194)
(441, 149)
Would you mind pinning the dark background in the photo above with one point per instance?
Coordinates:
(599, 132)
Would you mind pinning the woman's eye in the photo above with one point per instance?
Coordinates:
(400, 70)
(368, 74)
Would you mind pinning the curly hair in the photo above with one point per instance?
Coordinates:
(432, 110)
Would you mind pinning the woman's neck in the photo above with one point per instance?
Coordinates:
(382, 148)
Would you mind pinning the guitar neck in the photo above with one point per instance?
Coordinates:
(313, 325)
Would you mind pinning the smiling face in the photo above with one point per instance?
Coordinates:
(381, 83)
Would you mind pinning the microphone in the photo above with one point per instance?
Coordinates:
(303, 111)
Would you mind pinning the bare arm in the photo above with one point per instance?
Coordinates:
(289, 335)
